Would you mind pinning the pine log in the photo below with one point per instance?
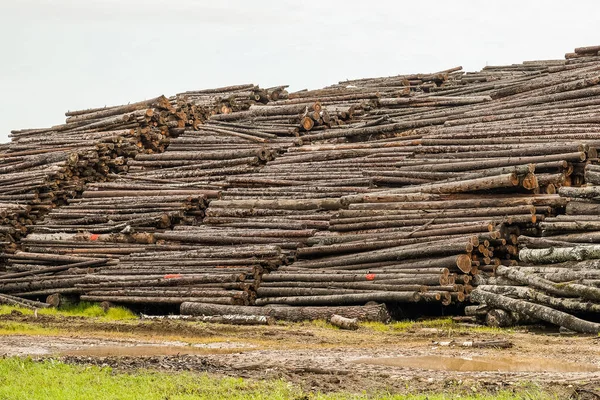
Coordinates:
(535, 311)
(343, 322)
(342, 299)
(529, 294)
(559, 254)
(217, 319)
(371, 312)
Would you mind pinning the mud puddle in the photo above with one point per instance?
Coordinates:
(475, 363)
(151, 350)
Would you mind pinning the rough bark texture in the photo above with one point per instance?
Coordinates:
(375, 312)
(559, 254)
(537, 311)
(343, 322)
(396, 189)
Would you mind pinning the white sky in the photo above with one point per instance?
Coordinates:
(72, 54)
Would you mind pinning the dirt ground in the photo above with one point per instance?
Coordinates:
(318, 357)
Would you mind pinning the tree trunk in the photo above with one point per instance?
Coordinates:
(535, 311)
(342, 299)
(370, 312)
(525, 293)
(559, 254)
(161, 300)
(343, 322)
(57, 300)
(584, 192)
(218, 319)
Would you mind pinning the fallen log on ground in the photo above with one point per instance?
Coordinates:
(217, 319)
(344, 323)
(374, 312)
(537, 311)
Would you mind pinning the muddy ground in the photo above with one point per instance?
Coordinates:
(320, 358)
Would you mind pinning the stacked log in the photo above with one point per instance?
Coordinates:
(404, 85)
(199, 105)
(37, 275)
(396, 243)
(118, 217)
(191, 263)
(140, 268)
(125, 204)
(206, 158)
(12, 229)
(438, 166)
(298, 115)
(397, 189)
(557, 280)
(43, 168)
(109, 221)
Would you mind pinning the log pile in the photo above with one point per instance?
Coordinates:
(420, 245)
(199, 105)
(445, 149)
(193, 264)
(405, 189)
(109, 221)
(557, 280)
(43, 168)
(206, 158)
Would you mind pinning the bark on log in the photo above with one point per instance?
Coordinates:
(529, 294)
(535, 311)
(558, 289)
(559, 254)
(585, 192)
(218, 319)
(19, 302)
(371, 312)
(345, 299)
(343, 322)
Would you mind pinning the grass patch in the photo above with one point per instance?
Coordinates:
(403, 326)
(441, 323)
(489, 329)
(20, 328)
(377, 326)
(445, 325)
(319, 323)
(82, 309)
(25, 379)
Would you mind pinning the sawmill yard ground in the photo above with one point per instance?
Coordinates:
(87, 353)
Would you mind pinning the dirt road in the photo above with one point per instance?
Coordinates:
(319, 357)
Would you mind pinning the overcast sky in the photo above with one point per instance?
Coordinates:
(71, 54)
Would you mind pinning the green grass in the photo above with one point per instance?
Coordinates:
(82, 309)
(445, 325)
(319, 323)
(403, 326)
(19, 328)
(398, 326)
(25, 379)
